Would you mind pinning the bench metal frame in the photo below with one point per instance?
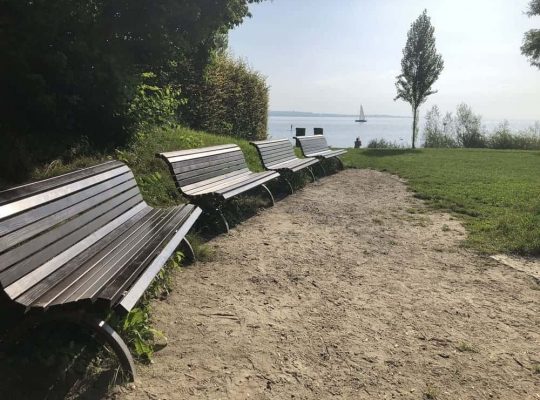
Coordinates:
(78, 246)
(278, 155)
(210, 176)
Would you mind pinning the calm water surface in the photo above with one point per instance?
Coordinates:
(342, 131)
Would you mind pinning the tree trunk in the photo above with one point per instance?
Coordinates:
(415, 122)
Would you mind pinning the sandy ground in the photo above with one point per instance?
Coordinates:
(348, 289)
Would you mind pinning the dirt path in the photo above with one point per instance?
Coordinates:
(348, 289)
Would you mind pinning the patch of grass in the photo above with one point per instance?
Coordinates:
(445, 228)
(536, 369)
(202, 251)
(465, 347)
(496, 193)
(430, 393)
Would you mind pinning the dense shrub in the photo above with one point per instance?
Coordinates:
(465, 130)
(232, 100)
(503, 138)
(73, 69)
(438, 133)
(468, 128)
(382, 144)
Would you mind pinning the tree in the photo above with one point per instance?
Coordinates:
(437, 132)
(468, 127)
(531, 42)
(420, 67)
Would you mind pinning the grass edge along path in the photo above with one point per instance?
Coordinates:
(495, 192)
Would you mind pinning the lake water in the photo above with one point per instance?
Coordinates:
(342, 131)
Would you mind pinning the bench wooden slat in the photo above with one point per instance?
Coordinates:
(316, 146)
(121, 257)
(254, 182)
(278, 155)
(68, 241)
(211, 175)
(206, 160)
(198, 151)
(35, 251)
(26, 203)
(63, 233)
(41, 225)
(186, 178)
(17, 283)
(138, 288)
(22, 220)
(20, 192)
(155, 238)
(55, 288)
(216, 184)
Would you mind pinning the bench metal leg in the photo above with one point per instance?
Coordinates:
(269, 193)
(223, 219)
(187, 249)
(113, 339)
(313, 179)
(103, 331)
(290, 185)
(323, 170)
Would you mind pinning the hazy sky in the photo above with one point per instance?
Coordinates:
(330, 56)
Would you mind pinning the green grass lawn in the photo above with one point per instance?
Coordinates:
(495, 192)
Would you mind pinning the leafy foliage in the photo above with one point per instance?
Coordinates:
(154, 105)
(75, 69)
(466, 130)
(382, 144)
(531, 41)
(232, 100)
(437, 131)
(420, 67)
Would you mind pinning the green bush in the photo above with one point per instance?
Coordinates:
(382, 144)
(154, 105)
(71, 70)
(232, 100)
(503, 138)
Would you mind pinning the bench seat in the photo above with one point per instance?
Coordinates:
(317, 146)
(209, 176)
(85, 241)
(278, 155)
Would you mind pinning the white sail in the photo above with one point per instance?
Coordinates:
(362, 116)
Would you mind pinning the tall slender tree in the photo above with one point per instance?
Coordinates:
(420, 67)
(531, 42)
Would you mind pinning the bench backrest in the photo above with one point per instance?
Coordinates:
(313, 144)
(273, 152)
(189, 167)
(47, 223)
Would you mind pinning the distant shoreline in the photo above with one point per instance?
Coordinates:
(329, 115)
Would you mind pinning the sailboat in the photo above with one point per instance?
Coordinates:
(362, 117)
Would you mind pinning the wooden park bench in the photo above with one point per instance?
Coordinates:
(316, 146)
(278, 155)
(211, 175)
(80, 245)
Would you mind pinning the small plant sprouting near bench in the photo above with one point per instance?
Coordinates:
(136, 328)
(466, 348)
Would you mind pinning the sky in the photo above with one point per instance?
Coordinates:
(332, 56)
